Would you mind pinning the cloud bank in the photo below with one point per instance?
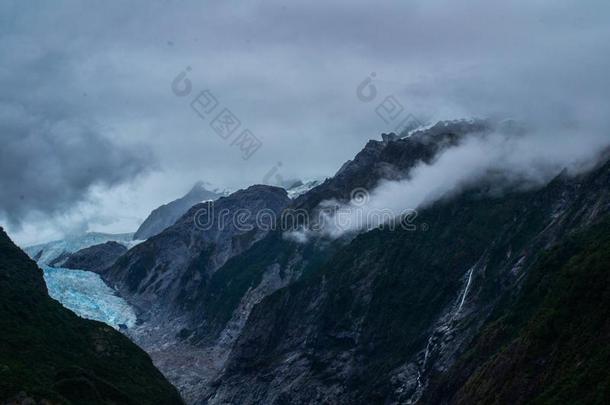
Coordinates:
(505, 162)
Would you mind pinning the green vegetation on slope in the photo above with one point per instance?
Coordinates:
(549, 346)
(47, 352)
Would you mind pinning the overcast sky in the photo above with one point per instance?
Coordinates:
(94, 136)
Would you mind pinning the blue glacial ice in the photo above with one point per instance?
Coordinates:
(86, 294)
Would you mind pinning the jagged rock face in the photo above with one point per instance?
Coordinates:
(223, 303)
(392, 310)
(49, 355)
(166, 215)
(95, 258)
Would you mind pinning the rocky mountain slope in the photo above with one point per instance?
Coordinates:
(247, 315)
(197, 287)
(167, 214)
(392, 311)
(49, 354)
(167, 276)
(548, 342)
(390, 160)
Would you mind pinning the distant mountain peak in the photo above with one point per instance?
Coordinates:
(166, 215)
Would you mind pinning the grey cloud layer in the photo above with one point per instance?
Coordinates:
(289, 71)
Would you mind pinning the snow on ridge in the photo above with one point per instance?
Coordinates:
(294, 192)
(45, 253)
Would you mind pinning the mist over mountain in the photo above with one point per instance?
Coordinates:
(209, 296)
(505, 162)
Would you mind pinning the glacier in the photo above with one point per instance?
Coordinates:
(86, 294)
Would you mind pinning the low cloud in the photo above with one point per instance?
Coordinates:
(504, 162)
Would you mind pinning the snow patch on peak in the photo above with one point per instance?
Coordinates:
(300, 188)
(45, 253)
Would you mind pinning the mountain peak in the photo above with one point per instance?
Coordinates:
(167, 214)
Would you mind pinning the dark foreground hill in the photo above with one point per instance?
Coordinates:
(47, 353)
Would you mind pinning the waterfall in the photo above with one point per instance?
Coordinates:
(466, 289)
